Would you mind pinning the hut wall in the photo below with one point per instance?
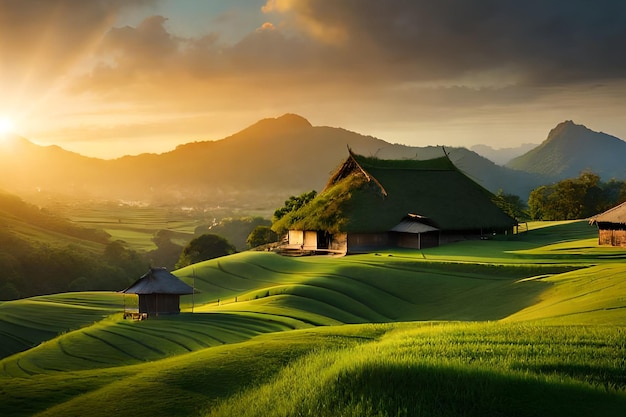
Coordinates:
(612, 237)
(159, 304)
(296, 238)
(415, 240)
(309, 242)
(339, 242)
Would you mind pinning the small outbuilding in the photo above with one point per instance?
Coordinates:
(611, 226)
(159, 292)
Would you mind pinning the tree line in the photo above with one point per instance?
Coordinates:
(575, 198)
(569, 199)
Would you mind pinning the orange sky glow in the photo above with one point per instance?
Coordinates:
(117, 77)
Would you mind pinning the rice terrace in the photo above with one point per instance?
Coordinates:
(532, 324)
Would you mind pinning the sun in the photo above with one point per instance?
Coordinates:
(6, 125)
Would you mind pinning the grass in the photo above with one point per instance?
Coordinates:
(450, 369)
(116, 342)
(136, 224)
(434, 368)
(27, 323)
(529, 325)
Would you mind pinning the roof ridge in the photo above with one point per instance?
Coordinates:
(593, 219)
(369, 176)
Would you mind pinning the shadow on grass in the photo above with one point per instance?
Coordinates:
(375, 390)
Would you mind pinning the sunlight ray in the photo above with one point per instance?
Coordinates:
(30, 94)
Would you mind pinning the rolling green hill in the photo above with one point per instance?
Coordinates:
(530, 325)
(43, 253)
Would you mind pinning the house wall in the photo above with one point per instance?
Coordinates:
(415, 240)
(339, 242)
(458, 236)
(296, 237)
(155, 304)
(363, 241)
(310, 240)
(612, 237)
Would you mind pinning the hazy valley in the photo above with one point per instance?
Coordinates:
(254, 170)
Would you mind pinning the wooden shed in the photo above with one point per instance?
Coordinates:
(159, 292)
(611, 226)
(370, 203)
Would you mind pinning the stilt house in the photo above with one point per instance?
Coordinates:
(370, 203)
(159, 292)
(611, 226)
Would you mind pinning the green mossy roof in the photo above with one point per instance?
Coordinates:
(375, 195)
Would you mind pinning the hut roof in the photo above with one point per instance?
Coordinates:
(368, 195)
(414, 223)
(158, 281)
(616, 214)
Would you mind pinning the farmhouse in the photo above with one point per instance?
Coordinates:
(159, 292)
(370, 203)
(611, 226)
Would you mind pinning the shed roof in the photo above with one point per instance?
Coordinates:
(616, 214)
(367, 195)
(158, 281)
(414, 224)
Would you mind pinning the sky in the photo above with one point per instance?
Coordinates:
(107, 78)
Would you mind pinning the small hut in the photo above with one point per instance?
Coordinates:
(159, 292)
(611, 226)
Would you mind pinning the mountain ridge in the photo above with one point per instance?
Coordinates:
(571, 148)
(501, 156)
(257, 167)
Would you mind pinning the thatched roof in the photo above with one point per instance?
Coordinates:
(367, 195)
(615, 215)
(159, 281)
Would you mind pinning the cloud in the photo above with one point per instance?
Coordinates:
(538, 41)
(51, 35)
(355, 60)
(145, 62)
(349, 44)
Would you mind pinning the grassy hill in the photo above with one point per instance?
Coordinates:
(43, 253)
(531, 325)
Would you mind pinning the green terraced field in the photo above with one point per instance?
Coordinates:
(136, 224)
(530, 325)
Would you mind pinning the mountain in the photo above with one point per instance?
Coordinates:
(502, 155)
(256, 168)
(570, 149)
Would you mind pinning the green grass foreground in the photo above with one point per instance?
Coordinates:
(528, 325)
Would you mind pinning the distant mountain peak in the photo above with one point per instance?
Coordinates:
(272, 126)
(571, 148)
(565, 128)
(293, 119)
(286, 121)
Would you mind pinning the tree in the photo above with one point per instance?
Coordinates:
(575, 198)
(237, 230)
(293, 204)
(537, 202)
(204, 247)
(167, 252)
(261, 235)
(512, 205)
